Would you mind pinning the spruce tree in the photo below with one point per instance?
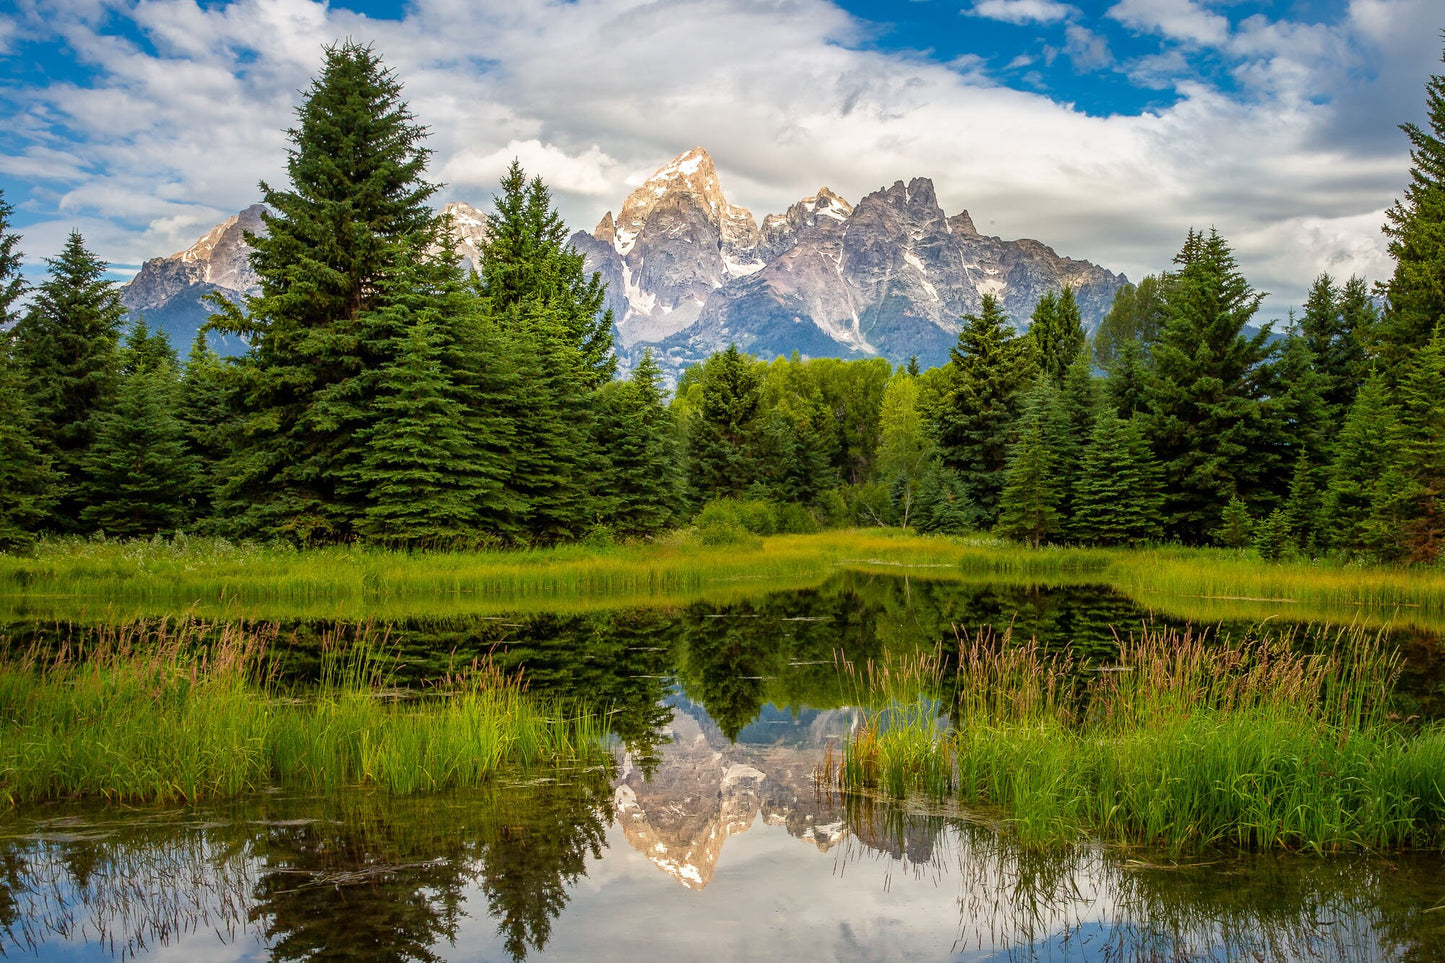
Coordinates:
(1056, 334)
(1415, 293)
(1032, 498)
(1125, 384)
(1419, 452)
(1207, 385)
(1363, 450)
(1336, 325)
(988, 367)
(140, 473)
(1302, 510)
(354, 216)
(1298, 418)
(419, 470)
(67, 346)
(636, 431)
(206, 409)
(1236, 527)
(1116, 498)
(26, 479)
(722, 426)
(527, 264)
(1078, 405)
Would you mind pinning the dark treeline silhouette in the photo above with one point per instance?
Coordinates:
(390, 397)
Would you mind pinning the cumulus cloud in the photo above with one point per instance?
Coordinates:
(1176, 19)
(171, 135)
(1022, 11)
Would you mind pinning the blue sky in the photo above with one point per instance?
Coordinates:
(1106, 130)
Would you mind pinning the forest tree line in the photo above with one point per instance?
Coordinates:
(390, 396)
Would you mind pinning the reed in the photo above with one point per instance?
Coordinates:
(153, 712)
(1180, 743)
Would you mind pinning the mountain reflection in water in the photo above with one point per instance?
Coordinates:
(706, 840)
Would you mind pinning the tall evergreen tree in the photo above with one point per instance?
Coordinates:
(420, 467)
(1056, 334)
(354, 216)
(26, 478)
(206, 410)
(1415, 293)
(1420, 451)
(636, 431)
(989, 364)
(1362, 452)
(1117, 498)
(67, 345)
(1336, 326)
(527, 264)
(1031, 503)
(1299, 417)
(1125, 382)
(721, 429)
(1207, 385)
(1078, 405)
(140, 473)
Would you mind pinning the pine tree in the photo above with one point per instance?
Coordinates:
(1116, 498)
(1056, 334)
(140, 473)
(1419, 451)
(1125, 384)
(26, 479)
(1302, 510)
(1336, 325)
(1078, 405)
(1207, 384)
(988, 366)
(1272, 537)
(722, 427)
(1363, 450)
(527, 264)
(67, 345)
(1298, 416)
(1415, 293)
(637, 432)
(206, 409)
(1032, 498)
(1236, 527)
(913, 368)
(354, 217)
(419, 468)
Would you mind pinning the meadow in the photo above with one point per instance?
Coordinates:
(74, 579)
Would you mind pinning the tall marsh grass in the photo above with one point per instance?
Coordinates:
(172, 710)
(1180, 743)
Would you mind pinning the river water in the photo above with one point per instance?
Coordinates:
(708, 837)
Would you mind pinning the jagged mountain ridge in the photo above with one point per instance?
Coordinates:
(688, 272)
(167, 291)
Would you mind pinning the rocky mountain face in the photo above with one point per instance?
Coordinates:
(167, 291)
(688, 272)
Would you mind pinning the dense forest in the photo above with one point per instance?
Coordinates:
(390, 397)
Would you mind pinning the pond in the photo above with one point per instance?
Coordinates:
(709, 836)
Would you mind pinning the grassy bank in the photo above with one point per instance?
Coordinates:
(152, 713)
(1180, 744)
(72, 579)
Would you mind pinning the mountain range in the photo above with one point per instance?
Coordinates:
(689, 273)
(168, 291)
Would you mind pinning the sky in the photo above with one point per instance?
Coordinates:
(1106, 130)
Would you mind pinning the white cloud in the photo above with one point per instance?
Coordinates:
(1175, 19)
(1022, 11)
(594, 94)
(1086, 49)
(590, 172)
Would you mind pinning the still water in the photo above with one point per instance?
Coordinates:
(707, 839)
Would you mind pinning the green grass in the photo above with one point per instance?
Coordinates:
(1180, 744)
(152, 713)
(95, 580)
